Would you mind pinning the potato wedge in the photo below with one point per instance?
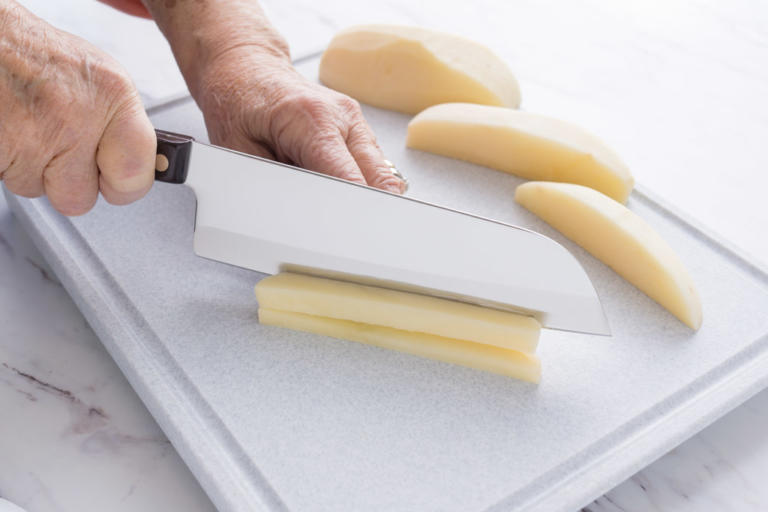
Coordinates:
(474, 355)
(409, 69)
(619, 238)
(528, 145)
(399, 310)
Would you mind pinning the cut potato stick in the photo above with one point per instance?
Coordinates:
(528, 145)
(408, 69)
(397, 309)
(474, 355)
(619, 238)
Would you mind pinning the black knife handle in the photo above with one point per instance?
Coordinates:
(172, 162)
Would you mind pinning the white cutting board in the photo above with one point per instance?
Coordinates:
(270, 419)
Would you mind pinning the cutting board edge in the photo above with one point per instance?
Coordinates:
(126, 342)
(568, 486)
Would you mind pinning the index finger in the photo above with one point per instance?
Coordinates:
(378, 171)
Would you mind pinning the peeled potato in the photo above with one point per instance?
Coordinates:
(399, 310)
(528, 145)
(409, 69)
(474, 355)
(620, 239)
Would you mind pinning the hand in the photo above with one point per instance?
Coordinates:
(71, 121)
(238, 69)
(258, 103)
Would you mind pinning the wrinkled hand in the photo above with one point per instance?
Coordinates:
(71, 121)
(261, 105)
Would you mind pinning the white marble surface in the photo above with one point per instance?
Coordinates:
(73, 434)
(687, 77)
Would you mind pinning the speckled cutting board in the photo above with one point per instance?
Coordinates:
(270, 419)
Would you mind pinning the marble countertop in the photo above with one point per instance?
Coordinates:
(75, 437)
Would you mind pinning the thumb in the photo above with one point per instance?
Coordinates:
(126, 155)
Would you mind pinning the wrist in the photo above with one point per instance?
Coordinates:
(205, 33)
(207, 46)
(227, 95)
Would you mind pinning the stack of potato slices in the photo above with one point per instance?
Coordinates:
(455, 332)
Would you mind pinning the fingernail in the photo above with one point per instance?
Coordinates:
(394, 188)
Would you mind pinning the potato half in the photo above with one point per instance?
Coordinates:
(409, 69)
(528, 145)
(619, 238)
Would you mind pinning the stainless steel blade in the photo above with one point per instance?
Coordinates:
(271, 217)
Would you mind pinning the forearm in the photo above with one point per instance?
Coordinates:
(201, 31)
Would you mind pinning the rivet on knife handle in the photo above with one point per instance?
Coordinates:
(173, 150)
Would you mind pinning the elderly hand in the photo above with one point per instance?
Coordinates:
(71, 121)
(272, 111)
(238, 69)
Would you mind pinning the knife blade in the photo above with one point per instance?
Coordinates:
(272, 217)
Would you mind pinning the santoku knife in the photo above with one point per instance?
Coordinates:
(272, 217)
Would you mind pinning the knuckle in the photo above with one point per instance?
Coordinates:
(323, 138)
(126, 178)
(349, 106)
(372, 138)
(24, 183)
(30, 192)
(361, 135)
(111, 80)
(282, 46)
(306, 105)
(7, 156)
(74, 206)
(70, 200)
(22, 173)
(316, 108)
(115, 199)
(385, 179)
(110, 73)
(389, 182)
(323, 142)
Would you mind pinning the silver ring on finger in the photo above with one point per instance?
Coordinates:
(396, 173)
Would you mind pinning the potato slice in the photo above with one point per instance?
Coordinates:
(620, 239)
(398, 310)
(475, 355)
(528, 145)
(408, 69)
